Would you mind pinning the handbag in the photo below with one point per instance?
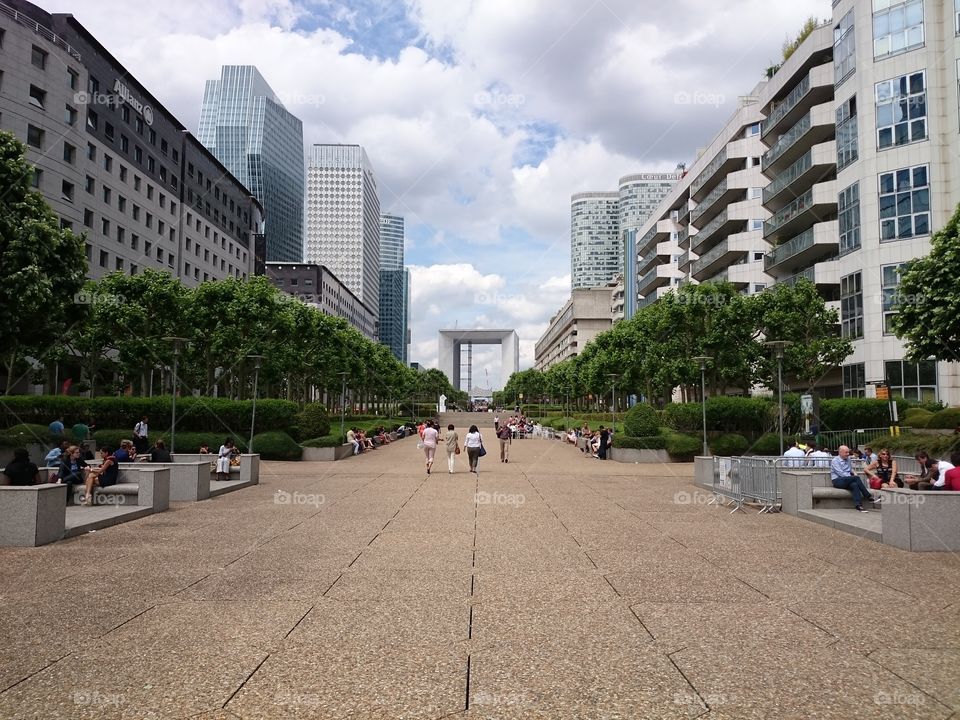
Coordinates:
(457, 451)
(483, 451)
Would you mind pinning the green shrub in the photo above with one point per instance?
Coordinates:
(945, 419)
(276, 445)
(326, 441)
(651, 442)
(740, 414)
(916, 418)
(24, 433)
(642, 420)
(728, 445)
(908, 444)
(187, 441)
(853, 413)
(313, 420)
(683, 447)
(683, 417)
(768, 444)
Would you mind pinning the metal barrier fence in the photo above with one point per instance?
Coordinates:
(853, 438)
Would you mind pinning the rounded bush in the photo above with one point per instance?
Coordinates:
(276, 445)
(917, 418)
(681, 446)
(313, 420)
(641, 421)
(945, 419)
(729, 444)
(684, 417)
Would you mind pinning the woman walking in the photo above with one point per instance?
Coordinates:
(473, 442)
(453, 447)
(430, 437)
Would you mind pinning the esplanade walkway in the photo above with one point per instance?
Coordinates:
(556, 586)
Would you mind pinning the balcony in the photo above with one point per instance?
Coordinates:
(815, 88)
(709, 171)
(814, 127)
(683, 236)
(815, 165)
(823, 274)
(810, 246)
(726, 253)
(709, 201)
(643, 242)
(816, 204)
(684, 261)
(659, 276)
(722, 225)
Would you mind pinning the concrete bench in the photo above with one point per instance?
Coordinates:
(921, 520)
(248, 471)
(189, 481)
(141, 485)
(32, 515)
(328, 454)
(809, 489)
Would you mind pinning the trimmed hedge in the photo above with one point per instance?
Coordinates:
(188, 441)
(853, 413)
(728, 445)
(642, 420)
(193, 413)
(945, 419)
(277, 445)
(26, 433)
(684, 417)
(908, 444)
(327, 441)
(916, 418)
(768, 444)
(313, 420)
(683, 447)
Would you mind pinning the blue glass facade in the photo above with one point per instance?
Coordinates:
(629, 274)
(244, 124)
(394, 288)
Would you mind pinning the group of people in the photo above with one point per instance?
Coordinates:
(879, 470)
(429, 431)
(362, 442)
(598, 442)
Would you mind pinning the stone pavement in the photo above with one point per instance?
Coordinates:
(555, 586)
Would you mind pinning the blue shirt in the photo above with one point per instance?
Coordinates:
(53, 457)
(840, 468)
(56, 428)
(121, 456)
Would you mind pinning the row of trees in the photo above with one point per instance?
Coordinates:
(113, 335)
(652, 353)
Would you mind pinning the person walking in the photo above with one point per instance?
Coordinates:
(431, 437)
(506, 437)
(453, 447)
(473, 442)
(140, 431)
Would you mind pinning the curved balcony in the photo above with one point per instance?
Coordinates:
(815, 243)
(815, 165)
(819, 203)
(726, 253)
(815, 88)
(660, 276)
(703, 210)
(814, 127)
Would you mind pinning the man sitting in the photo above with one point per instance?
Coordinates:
(933, 473)
(159, 453)
(20, 471)
(819, 457)
(352, 439)
(842, 477)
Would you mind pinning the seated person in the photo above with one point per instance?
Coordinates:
(354, 440)
(571, 436)
(73, 469)
(952, 476)
(20, 471)
(126, 453)
(932, 473)
(54, 456)
(104, 476)
(794, 454)
(842, 477)
(882, 472)
(159, 453)
(819, 457)
(204, 448)
(367, 442)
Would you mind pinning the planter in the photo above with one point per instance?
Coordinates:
(629, 455)
(330, 454)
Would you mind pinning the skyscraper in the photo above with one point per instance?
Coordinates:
(594, 239)
(343, 218)
(394, 287)
(244, 124)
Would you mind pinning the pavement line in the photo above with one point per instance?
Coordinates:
(234, 693)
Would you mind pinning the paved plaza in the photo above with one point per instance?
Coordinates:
(555, 586)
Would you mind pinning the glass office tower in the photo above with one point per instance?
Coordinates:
(394, 288)
(244, 124)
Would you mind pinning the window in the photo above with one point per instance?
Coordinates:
(119, 264)
(897, 26)
(88, 217)
(161, 226)
(175, 155)
(136, 183)
(149, 191)
(147, 247)
(848, 218)
(149, 221)
(912, 381)
(121, 234)
(956, 16)
(751, 130)
(138, 125)
(854, 380)
(124, 144)
(163, 146)
(134, 241)
(69, 153)
(38, 97)
(133, 269)
(91, 186)
(136, 212)
(70, 115)
(170, 259)
(108, 131)
(93, 85)
(91, 152)
(73, 78)
(847, 145)
(844, 49)
(904, 203)
(35, 137)
(38, 57)
(35, 177)
(152, 136)
(889, 282)
(104, 258)
(93, 122)
(121, 203)
(851, 305)
(125, 113)
(105, 227)
(123, 173)
(138, 154)
(66, 191)
(107, 163)
(901, 110)
(151, 164)
(107, 193)
(754, 193)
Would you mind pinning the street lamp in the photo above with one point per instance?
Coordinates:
(779, 346)
(703, 360)
(177, 342)
(613, 398)
(257, 361)
(343, 400)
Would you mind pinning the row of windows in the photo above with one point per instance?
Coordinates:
(911, 381)
(851, 300)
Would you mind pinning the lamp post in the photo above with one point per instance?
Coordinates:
(343, 400)
(257, 361)
(779, 346)
(177, 342)
(613, 398)
(703, 360)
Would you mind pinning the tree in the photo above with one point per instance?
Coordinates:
(928, 301)
(42, 266)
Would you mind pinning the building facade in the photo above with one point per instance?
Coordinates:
(343, 218)
(318, 287)
(594, 235)
(394, 325)
(584, 316)
(113, 163)
(246, 126)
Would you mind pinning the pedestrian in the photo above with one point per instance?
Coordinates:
(223, 460)
(430, 438)
(604, 443)
(56, 427)
(140, 431)
(505, 434)
(473, 442)
(453, 447)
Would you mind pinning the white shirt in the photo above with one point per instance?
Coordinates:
(472, 440)
(430, 436)
(820, 458)
(140, 429)
(942, 467)
(795, 453)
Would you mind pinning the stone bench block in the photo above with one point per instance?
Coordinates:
(921, 520)
(32, 515)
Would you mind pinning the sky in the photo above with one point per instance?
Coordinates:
(480, 117)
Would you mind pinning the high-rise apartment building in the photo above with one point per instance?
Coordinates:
(394, 288)
(343, 218)
(594, 234)
(246, 126)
